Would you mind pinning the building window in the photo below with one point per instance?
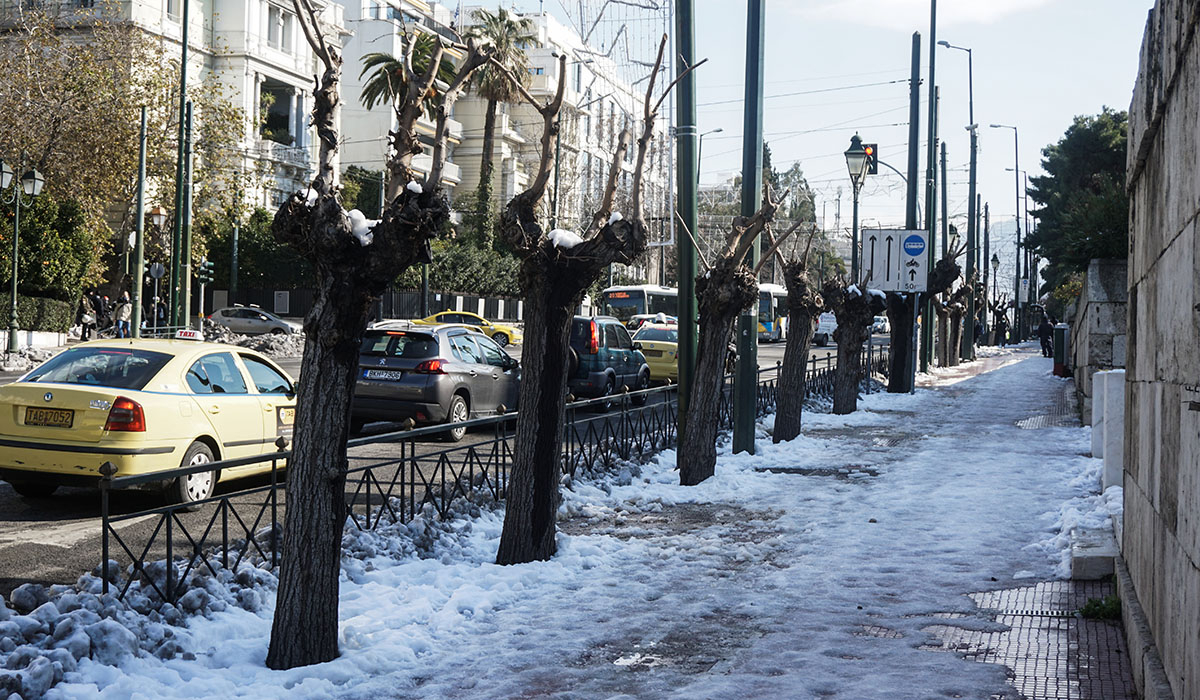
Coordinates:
(173, 9)
(578, 77)
(279, 28)
(537, 70)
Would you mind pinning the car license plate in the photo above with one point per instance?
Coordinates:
(653, 353)
(390, 374)
(49, 417)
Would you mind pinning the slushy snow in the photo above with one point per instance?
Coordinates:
(414, 187)
(759, 582)
(614, 218)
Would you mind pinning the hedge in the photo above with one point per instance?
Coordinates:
(38, 313)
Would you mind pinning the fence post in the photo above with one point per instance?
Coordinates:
(107, 470)
(281, 444)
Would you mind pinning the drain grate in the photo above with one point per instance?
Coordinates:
(848, 473)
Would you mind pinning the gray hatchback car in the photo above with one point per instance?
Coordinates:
(432, 374)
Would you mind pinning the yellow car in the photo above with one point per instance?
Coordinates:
(502, 334)
(145, 406)
(660, 342)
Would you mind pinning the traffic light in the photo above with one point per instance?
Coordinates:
(204, 271)
(872, 150)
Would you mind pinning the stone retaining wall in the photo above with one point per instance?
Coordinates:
(1161, 541)
(1098, 331)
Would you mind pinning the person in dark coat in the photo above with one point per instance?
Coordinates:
(1045, 332)
(86, 316)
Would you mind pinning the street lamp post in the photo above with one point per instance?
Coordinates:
(968, 343)
(856, 163)
(31, 184)
(700, 150)
(1019, 331)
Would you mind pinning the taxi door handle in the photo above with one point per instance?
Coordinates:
(214, 409)
(269, 407)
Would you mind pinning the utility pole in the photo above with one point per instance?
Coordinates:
(745, 382)
(177, 229)
(685, 179)
(185, 252)
(945, 204)
(904, 380)
(139, 250)
(233, 264)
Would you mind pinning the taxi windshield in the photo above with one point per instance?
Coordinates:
(120, 368)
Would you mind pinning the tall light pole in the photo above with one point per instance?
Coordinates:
(995, 293)
(176, 284)
(1017, 324)
(968, 342)
(930, 186)
(139, 255)
(31, 184)
(856, 163)
(700, 150)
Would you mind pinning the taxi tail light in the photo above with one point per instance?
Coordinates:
(126, 416)
(431, 367)
(594, 341)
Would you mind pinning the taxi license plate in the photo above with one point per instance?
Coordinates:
(390, 374)
(653, 353)
(49, 417)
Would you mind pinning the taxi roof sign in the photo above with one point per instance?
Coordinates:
(189, 334)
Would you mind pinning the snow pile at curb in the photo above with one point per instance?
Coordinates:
(25, 359)
(270, 344)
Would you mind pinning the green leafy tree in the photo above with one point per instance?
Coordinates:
(263, 262)
(56, 248)
(508, 35)
(387, 74)
(1084, 211)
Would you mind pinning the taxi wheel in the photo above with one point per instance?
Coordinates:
(193, 487)
(34, 490)
(500, 338)
(458, 413)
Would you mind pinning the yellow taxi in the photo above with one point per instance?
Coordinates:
(146, 406)
(502, 334)
(660, 342)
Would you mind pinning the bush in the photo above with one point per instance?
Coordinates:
(39, 314)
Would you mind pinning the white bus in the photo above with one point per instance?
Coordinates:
(772, 313)
(626, 302)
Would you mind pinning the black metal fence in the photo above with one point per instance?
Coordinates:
(390, 477)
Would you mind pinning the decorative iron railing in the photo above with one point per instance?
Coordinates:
(389, 477)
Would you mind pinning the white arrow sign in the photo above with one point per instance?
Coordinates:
(895, 259)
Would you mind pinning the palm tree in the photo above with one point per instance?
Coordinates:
(508, 34)
(387, 81)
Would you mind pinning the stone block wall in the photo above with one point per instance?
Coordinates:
(1098, 330)
(1161, 540)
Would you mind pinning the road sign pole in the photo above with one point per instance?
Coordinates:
(139, 254)
(684, 57)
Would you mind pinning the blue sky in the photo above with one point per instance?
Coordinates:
(1037, 64)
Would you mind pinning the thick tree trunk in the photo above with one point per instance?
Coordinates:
(722, 293)
(307, 602)
(793, 374)
(954, 352)
(486, 163)
(804, 308)
(855, 312)
(533, 497)
(900, 318)
(941, 340)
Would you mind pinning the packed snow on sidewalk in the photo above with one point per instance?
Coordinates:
(808, 570)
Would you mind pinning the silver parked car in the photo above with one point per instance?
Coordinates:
(250, 320)
(432, 374)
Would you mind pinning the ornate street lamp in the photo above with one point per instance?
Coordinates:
(856, 163)
(158, 216)
(31, 184)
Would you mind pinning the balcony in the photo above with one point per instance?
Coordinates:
(265, 149)
(451, 173)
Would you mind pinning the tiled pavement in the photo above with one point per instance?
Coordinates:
(1051, 653)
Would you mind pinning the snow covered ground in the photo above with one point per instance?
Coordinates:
(808, 570)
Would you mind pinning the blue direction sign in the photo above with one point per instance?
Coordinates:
(894, 259)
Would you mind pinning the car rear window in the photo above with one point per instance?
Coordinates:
(581, 333)
(120, 368)
(417, 346)
(663, 334)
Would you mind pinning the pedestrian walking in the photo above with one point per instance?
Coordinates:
(104, 310)
(1045, 332)
(122, 314)
(979, 331)
(86, 317)
(1001, 331)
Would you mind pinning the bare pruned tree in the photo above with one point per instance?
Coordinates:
(556, 269)
(805, 305)
(353, 265)
(725, 287)
(855, 308)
